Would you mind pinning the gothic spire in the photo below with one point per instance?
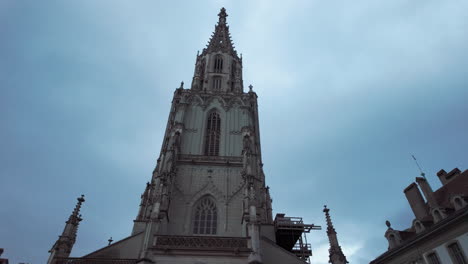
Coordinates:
(336, 255)
(65, 242)
(221, 38)
(75, 217)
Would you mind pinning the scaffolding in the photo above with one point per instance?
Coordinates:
(291, 235)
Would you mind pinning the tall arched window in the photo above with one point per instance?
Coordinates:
(205, 217)
(218, 63)
(213, 133)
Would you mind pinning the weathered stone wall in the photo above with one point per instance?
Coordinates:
(193, 182)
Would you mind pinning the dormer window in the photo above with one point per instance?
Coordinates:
(418, 226)
(437, 215)
(218, 64)
(458, 202)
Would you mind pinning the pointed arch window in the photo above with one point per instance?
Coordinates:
(205, 218)
(213, 133)
(218, 63)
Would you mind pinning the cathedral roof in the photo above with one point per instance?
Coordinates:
(221, 38)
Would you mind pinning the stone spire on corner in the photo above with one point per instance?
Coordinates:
(64, 244)
(336, 255)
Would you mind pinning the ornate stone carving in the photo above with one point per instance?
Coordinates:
(216, 159)
(201, 242)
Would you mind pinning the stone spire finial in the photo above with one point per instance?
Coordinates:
(222, 16)
(75, 217)
(64, 244)
(336, 255)
(221, 38)
(330, 228)
(388, 224)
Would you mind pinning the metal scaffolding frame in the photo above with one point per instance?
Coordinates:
(291, 235)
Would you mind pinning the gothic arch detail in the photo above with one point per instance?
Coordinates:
(208, 188)
(235, 101)
(211, 99)
(194, 99)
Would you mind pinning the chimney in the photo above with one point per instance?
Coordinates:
(445, 177)
(416, 201)
(427, 190)
(441, 174)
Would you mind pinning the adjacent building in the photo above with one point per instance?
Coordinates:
(2, 260)
(439, 232)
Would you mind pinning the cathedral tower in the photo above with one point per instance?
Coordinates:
(209, 179)
(207, 201)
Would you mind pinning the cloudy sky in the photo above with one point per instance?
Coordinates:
(348, 90)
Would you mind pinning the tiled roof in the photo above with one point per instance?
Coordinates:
(458, 186)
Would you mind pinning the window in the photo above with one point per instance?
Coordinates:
(213, 133)
(216, 83)
(433, 258)
(205, 217)
(456, 254)
(218, 64)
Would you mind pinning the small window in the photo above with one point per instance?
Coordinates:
(205, 217)
(433, 258)
(216, 83)
(218, 64)
(456, 253)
